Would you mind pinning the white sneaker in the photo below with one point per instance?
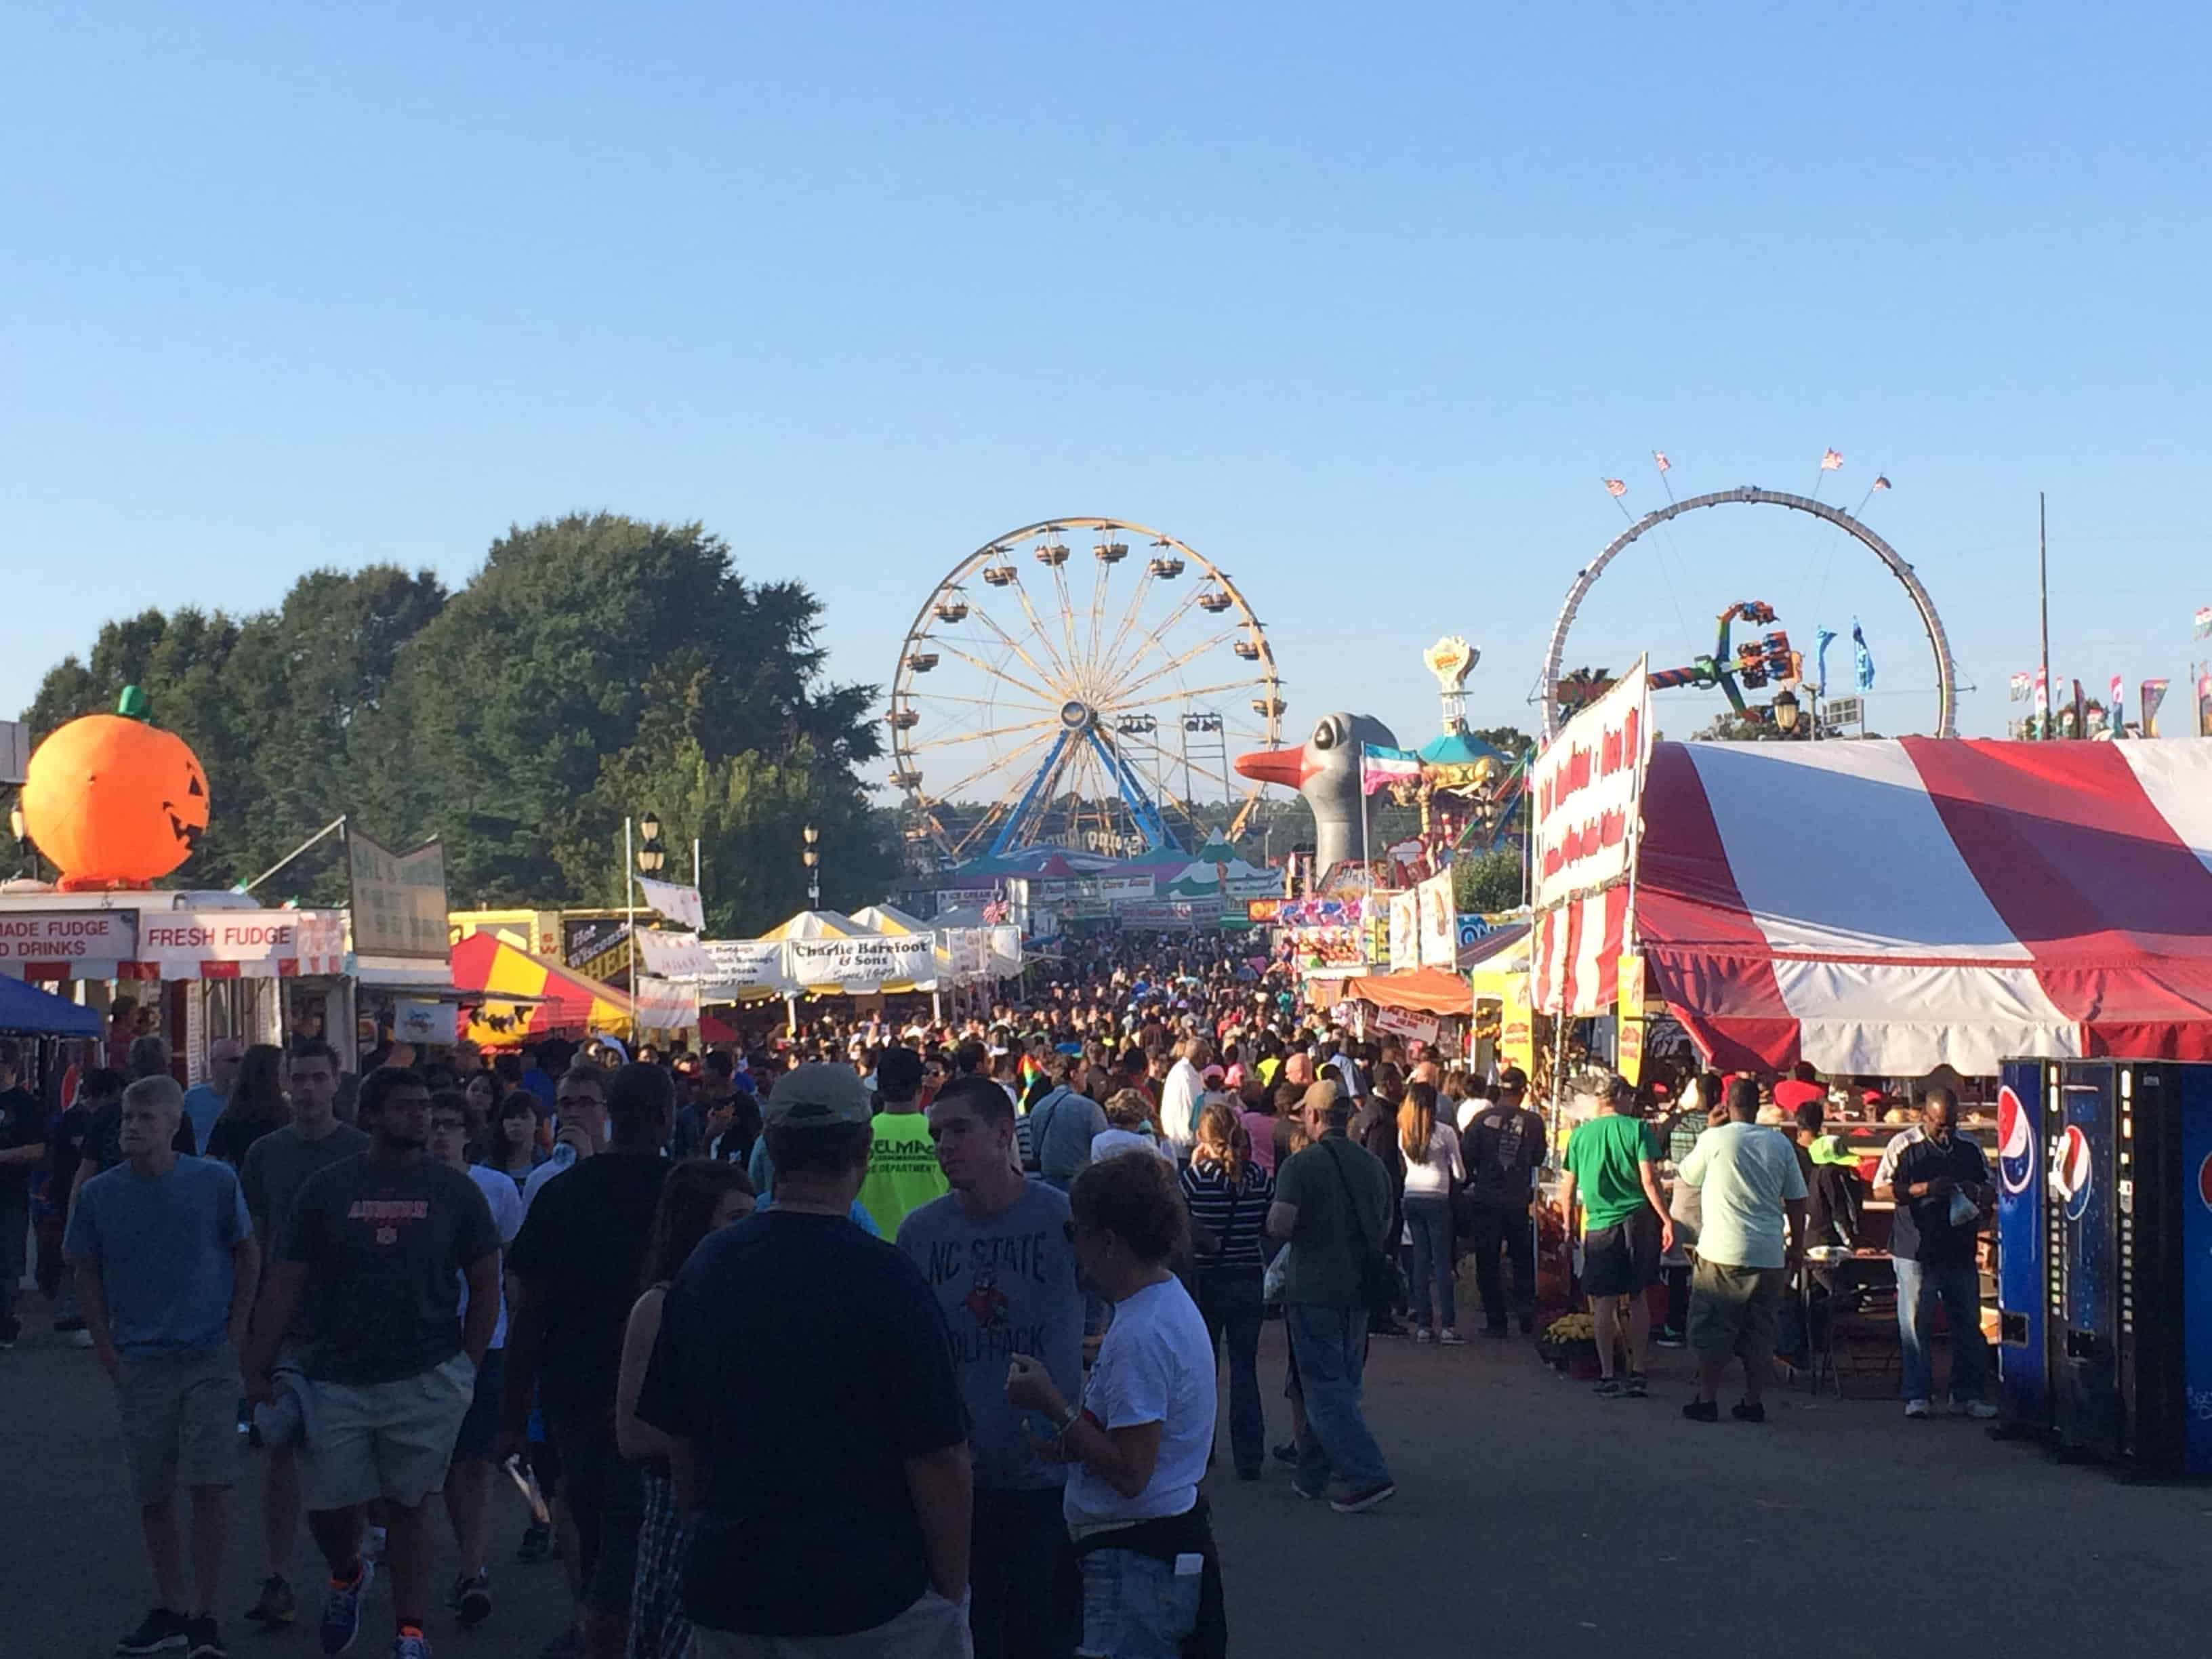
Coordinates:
(1916, 1408)
(1451, 1339)
(1980, 1410)
(1423, 1333)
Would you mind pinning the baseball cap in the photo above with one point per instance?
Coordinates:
(816, 1096)
(1321, 1096)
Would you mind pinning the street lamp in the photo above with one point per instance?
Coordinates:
(811, 858)
(651, 855)
(1785, 714)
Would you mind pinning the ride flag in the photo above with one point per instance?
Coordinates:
(2204, 705)
(2152, 694)
(2022, 684)
(2204, 621)
(2112, 710)
(1824, 638)
(1862, 659)
(1586, 793)
(1381, 767)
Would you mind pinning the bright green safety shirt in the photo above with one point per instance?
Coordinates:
(903, 1172)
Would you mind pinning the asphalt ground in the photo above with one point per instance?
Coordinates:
(1532, 1519)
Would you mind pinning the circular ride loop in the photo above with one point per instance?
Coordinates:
(1938, 643)
(1040, 703)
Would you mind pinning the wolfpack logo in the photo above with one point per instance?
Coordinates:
(985, 1300)
(2016, 1143)
(2070, 1172)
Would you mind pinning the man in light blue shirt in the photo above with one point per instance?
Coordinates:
(204, 1101)
(1747, 1180)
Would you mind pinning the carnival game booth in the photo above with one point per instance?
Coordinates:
(514, 996)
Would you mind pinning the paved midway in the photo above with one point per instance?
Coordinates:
(1532, 1519)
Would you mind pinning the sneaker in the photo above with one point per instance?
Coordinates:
(80, 1338)
(275, 1606)
(9, 1330)
(1916, 1408)
(372, 1543)
(1287, 1453)
(1702, 1411)
(1980, 1410)
(1746, 1411)
(1670, 1339)
(160, 1631)
(1451, 1339)
(1636, 1385)
(1358, 1502)
(411, 1644)
(537, 1544)
(1310, 1497)
(1423, 1333)
(1610, 1387)
(340, 1620)
(205, 1641)
(473, 1599)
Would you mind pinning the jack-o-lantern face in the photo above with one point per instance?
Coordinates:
(114, 802)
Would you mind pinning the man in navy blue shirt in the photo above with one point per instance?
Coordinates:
(1940, 1184)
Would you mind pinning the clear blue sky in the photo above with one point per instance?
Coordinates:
(1362, 302)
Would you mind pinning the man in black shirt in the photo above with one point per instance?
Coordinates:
(1502, 1150)
(1941, 1185)
(23, 1149)
(575, 1266)
(804, 1373)
(368, 1265)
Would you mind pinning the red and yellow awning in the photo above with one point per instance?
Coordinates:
(525, 996)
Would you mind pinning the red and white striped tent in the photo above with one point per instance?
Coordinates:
(1884, 908)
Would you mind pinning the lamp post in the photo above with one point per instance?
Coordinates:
(811, 858)
(1785, 714)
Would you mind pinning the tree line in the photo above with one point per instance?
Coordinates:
(595, 668)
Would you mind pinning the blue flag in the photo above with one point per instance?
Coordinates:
(1863, 658)
(1827, 637)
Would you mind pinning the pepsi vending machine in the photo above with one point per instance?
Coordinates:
(2105, 1259)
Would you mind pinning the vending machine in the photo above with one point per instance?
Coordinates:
(2105, 1259)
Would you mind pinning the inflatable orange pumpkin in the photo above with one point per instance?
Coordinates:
(113, 801)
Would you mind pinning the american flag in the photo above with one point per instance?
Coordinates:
(1616, 488)
(1832, 461)
(996, 911)
(1659, 458)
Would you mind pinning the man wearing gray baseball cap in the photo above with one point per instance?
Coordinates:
(803, 1375)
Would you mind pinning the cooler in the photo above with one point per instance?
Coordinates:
(2105, 1258)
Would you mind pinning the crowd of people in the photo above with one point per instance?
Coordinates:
(871, 1338)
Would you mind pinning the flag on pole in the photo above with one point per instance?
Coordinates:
(1616, 488)
(2204, 621)
(1832, 461)
(1825, 638)
(2152, 694)
(1381, 767)
(1659, 458)
(2112, 704)
(2080, 728)
(2020, 685)
(2204, 705)
(2042, 694)
(1862, 659)
(1882, 482)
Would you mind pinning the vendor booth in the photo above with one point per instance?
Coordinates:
(515, 995)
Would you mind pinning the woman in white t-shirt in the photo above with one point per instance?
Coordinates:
(1130, 1128)
(1137, 1445)
(1431, 1147)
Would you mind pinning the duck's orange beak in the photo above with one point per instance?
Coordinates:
(1284, 766)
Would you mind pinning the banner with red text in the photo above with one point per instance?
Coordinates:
(1586, 791)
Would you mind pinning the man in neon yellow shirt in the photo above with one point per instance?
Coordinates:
(902, 1170)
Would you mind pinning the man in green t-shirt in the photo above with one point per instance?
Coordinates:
(903, 1170)
(1612, 1163)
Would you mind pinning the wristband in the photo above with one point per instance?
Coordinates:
(1068, 1420)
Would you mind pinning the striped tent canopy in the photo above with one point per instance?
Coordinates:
(523, 995)
(1884, 908)
(819, 924)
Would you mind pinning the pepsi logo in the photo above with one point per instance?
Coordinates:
(2205, 1181)
(2070, 1172)
(2016, 1143)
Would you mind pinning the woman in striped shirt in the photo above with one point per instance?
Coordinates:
(1228, 1194)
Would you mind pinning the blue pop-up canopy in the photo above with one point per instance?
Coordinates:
(27, 1010)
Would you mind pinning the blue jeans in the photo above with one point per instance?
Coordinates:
(1960, 1287)
(1228, 1299)
(1429, 1219)
(1135, 1607)
(1331, 1347)
(1019, 1546)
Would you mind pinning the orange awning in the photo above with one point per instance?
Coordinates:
(1424, 990)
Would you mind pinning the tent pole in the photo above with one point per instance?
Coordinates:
(630, 904)
(791, 1016)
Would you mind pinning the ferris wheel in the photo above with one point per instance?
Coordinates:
(1079, 683)
(1939, 644)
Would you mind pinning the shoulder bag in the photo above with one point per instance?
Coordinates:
(1381, 1283)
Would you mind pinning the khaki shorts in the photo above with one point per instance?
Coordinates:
(933, 1628)
(1732, 1310)
(179, 1421)
(389, 1440)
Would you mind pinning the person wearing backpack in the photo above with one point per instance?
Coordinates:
(1063, 1125)
(1332, 1203)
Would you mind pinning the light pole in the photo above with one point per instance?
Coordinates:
(811, 858)
(1785, 714)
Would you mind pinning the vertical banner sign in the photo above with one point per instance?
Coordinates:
(2204, 704)
(1405, 933)
(399, 898)
(2147, 703)
(674, 901)
(1587, 789)
(1439, 921)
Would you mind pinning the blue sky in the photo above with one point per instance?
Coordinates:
(1361, 302)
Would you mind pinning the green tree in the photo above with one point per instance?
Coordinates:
(1488, 882)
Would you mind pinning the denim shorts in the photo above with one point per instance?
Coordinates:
(1135, 1607)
